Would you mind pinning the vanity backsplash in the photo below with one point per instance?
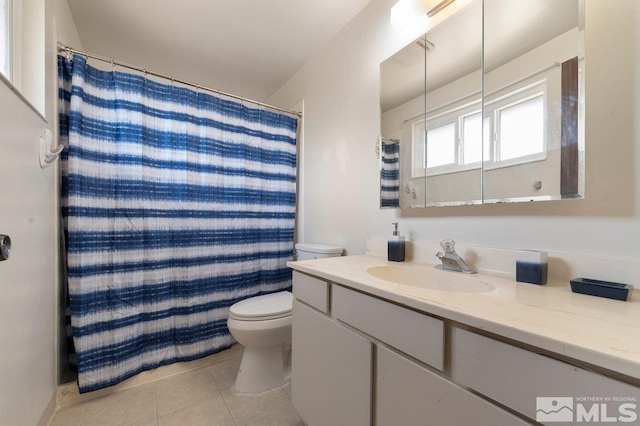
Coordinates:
(562, 266)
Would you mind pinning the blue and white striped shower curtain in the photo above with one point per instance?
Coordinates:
(390, 173)
(176, 205)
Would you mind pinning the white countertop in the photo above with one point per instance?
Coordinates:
(595, 330)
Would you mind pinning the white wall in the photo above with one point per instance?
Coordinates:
(340, 88)
(29, 279)
(65, 27)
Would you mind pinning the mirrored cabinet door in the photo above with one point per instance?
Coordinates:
(487, 107)
(454, 109)
(533, 100)
(402, 105)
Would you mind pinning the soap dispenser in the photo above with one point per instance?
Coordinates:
(395, 251)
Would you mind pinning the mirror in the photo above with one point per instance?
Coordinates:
(402, 104)
(454, 109)
(533, 101)
(518, 138)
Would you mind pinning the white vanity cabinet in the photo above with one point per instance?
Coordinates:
(337, 379)
(332, 366)
(362, 360)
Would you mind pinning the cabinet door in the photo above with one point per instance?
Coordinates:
(409, 394)
(517, 377)
(332, 366)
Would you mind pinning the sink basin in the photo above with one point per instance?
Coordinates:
(431, 278)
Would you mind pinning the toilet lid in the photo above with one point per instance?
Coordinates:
(268, 306)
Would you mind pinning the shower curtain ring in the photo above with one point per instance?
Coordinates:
(113, 67)
(68, 54)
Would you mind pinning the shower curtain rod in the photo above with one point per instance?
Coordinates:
(68, 50)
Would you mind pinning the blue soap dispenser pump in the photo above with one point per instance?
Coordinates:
(396, 245)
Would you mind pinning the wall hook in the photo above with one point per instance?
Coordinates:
(48, 153)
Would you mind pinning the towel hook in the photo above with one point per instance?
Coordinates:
(48, 153)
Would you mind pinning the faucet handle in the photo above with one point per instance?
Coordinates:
(448, 246)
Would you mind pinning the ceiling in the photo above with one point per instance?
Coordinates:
(246, 47)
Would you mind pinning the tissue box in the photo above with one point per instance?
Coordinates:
(532, 266)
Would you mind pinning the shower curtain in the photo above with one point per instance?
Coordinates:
(176, 204)
(390, 173)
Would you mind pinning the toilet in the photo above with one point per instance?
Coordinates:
(262, 324)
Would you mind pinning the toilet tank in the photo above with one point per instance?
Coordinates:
(307, 251)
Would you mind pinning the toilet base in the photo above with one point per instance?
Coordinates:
(261, 370)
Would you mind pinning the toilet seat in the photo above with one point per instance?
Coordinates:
(262, 308)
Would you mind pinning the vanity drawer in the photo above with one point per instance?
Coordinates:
(415, 334)
(312, 291)
(515, 377)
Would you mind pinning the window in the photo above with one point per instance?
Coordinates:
(441, 145)
(22, 49)
(517, 121)
(472, 136)
(520, 129)
(512, 132)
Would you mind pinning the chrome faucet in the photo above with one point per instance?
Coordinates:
(451, 261)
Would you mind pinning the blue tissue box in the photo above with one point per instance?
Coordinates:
(532, 267)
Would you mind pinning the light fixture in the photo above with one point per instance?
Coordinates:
(437, 8)
(412, 13)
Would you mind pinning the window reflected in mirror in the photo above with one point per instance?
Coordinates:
(531, 100)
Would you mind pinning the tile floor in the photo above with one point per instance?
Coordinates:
(199, 397)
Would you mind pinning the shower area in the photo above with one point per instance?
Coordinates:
(176, 203)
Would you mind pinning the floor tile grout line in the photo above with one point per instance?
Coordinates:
(192, 403)
(269, 412)
(155, 400)
(84, 410)
(223, 398)
(233, 419)
(187, 406)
